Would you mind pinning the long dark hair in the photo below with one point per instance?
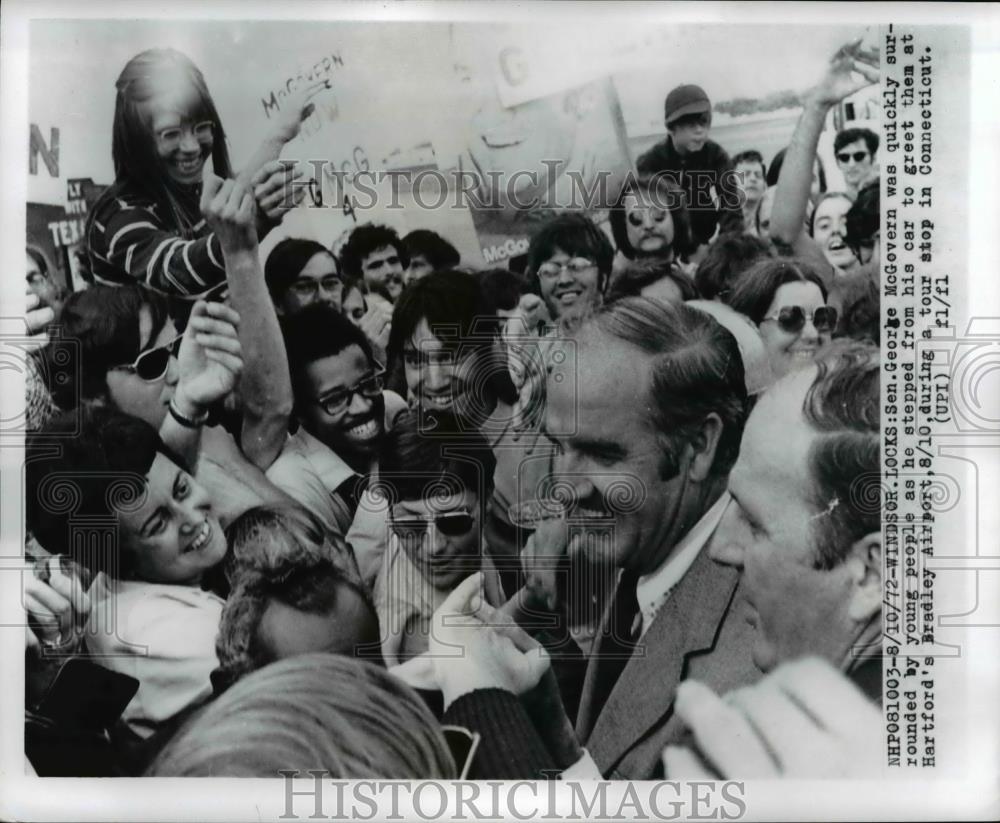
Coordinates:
(133, 147)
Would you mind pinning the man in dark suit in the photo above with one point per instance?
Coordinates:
(646, 411)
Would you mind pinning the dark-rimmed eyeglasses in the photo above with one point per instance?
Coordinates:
(856, 156)
(336, 402)
(151, 365)
(792, 319)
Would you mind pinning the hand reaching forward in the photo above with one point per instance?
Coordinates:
(470, 654)
(804, 720)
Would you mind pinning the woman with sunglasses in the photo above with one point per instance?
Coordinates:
(850, 70)
(786, 299)
(147, 227)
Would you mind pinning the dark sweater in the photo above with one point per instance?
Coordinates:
(697, 173)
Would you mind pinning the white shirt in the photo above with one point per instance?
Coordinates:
(653, 589)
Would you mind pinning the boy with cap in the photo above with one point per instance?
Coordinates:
(700, 166)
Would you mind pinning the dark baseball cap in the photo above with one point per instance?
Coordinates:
(685, 100)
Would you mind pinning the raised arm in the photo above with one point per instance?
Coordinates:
(209, 364)
(265, 389)
(846, 74)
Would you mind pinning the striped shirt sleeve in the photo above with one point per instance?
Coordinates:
(132, 242)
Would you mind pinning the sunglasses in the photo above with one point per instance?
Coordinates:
(856, 156)
(792, 319)
(450, 524)
(151, 365)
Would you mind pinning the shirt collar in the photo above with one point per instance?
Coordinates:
(653, 589)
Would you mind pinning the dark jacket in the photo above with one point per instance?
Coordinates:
(698, 173)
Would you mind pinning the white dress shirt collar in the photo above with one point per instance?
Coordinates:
(653, 589)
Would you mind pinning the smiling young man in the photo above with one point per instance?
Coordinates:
(571, 259)
(376, 254)
(698, 165)
(342, 411)
(439, 477)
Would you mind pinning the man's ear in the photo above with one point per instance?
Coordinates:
(703, 447)
(865, 567)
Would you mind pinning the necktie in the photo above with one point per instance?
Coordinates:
(618, 637)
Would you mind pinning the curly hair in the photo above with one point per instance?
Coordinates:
(366, 239)
(283, 554)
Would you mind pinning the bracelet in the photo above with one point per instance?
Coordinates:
(186, 422)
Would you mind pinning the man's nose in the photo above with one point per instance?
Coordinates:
(436, 542)
(359, 404)
(437, 376)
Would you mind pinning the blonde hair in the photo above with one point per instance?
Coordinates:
(317, 711)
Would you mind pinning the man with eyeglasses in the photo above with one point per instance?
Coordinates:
(342, 412)
(855, 151)
(571, 259)
(300, 273)
(438, 476)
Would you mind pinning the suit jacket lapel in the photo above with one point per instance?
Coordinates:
(687, 623)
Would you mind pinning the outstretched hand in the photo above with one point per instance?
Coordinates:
(229, 209)
(850, 70)
(210, 358)
(295, 110)
(803, 720)
(472, 650)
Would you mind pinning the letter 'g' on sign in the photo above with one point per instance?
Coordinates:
(513, 66)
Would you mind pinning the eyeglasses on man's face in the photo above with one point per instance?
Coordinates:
(414, 527)
(336, 402)
(847, 156)
(551, 269)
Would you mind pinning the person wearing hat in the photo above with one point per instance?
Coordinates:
(700, 166)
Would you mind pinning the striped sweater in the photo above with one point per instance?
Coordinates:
(130, 239)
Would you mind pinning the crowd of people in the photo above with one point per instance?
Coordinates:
(613, 510)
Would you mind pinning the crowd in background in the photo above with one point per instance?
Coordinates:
(605, 509)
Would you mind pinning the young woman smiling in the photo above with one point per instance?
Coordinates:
(147, 227)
